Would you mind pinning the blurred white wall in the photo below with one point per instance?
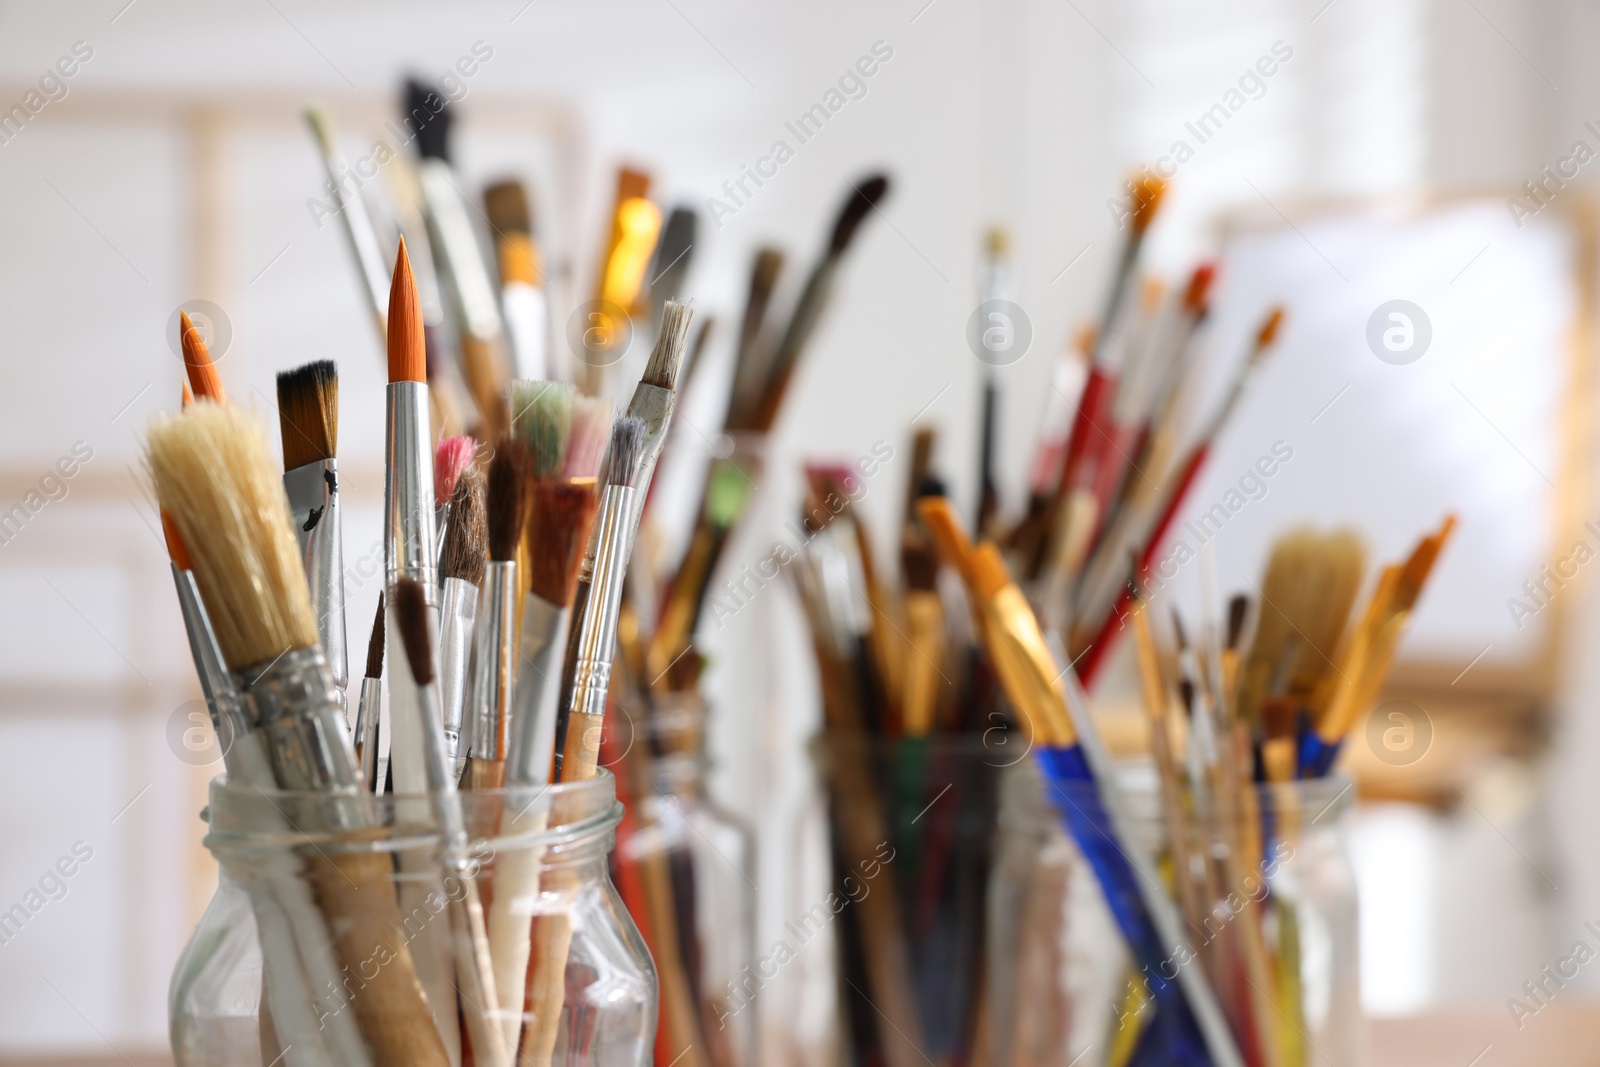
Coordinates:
(1018, 111)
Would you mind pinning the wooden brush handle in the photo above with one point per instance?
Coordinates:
(680, 1037)
(547, 975)
(355, 892)
(580, 758)
(482, 368)
(516, 885)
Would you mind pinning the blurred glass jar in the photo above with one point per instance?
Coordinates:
(911, 827)
(684, 866)
(342, 928)
(1061, 984)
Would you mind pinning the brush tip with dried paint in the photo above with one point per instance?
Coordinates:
(667, 356)
(587, 434)
(450, 460)
(466, 540)
(624, 452)
(308, 413)
(510, 493)
(411, 618)
(375, 643)
(541, 417)
(407, 345)
(197, 361)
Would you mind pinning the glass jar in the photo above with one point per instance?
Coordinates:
(684, 866)
(337, 946)
(911, 826)
(1062, 986)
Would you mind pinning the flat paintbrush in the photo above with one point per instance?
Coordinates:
(461, 568)
(213, 476)
(308, 420)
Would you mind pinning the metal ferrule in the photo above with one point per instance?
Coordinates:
(654, 405)
(494, 662)
(291, 700)
(458, 612)
(527, 313)
(313, 492)
(597, 633)
(216, 685)
(408, 523)
(537, 698)
(456, 246)
(366, 732)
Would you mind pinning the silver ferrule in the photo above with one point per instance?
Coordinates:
(537, 699)
(441, 781)
(408, 523)
(527, 314)
(494, 662)
(368, 713)
(597, 633)
(654, 405)
(313, 492)
(216, 685)
(460, 261)
(291, 700)
(458, 612)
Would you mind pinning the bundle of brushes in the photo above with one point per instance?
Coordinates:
(658, 662)
(1116, 456)
(907, 708)
(483, 573)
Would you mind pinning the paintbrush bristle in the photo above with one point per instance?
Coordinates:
(197, 361)
(1238, 612)
(466, 539)
(667, 355)
(1148, 191)
(506, 204)
(375, 643)
(214, 476)
(558, 532)
(862, 199)
(411, 616)
(408, 361)
(627, 445)
(1306, 595)
(586, 440)
(1194, 297)
(432, 123)
(541, 417)
(308, 413)
(510, 493)
(1269, 329)
(450, 460)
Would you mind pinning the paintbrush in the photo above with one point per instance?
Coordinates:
(352, 212)
(480, 332)
(461, 568)
(308, 420)
(1088, 430)
(634, 225)
(370, 710)
(994, 281)
(596, 632)
(450, 459)
(523, 299)
(863, 199)
(669, 268)
(212, 474)
(494, 657)
(1369, 652)
(409, 537)
(750, 358)
(197, 362)
(468, 934)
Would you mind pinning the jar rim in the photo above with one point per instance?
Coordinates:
(573, 812)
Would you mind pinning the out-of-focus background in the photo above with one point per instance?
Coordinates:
(173, 165)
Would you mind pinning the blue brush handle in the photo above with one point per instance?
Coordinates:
(1173, 1036)
(1316, 755)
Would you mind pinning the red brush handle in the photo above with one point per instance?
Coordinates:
(1081, 442)
(1091, 660)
